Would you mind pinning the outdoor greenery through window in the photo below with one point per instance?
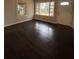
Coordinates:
(21, 9)
(45, 8)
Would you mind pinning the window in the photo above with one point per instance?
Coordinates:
(45, 8)
(64, 3)
(21, 9)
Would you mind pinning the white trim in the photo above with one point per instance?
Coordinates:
(48, 21)
(54, 22)
(16, 23)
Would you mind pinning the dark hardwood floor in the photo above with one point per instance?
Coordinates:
(39, 40)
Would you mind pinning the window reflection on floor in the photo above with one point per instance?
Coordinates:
(44, 31)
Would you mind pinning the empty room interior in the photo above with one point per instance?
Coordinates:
(39, 29)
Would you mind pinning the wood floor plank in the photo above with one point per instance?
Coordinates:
(39, 40)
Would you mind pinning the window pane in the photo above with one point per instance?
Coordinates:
(44, 8)
(37, 8)
(51, 12)
(37, 11)
(51, 3)
(64, 3)
(51, 8)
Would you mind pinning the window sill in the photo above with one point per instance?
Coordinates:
(44, 16)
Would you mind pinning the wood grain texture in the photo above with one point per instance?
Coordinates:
(39, 40)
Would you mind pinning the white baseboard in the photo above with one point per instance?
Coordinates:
(49, 21)
(55, 22)
(16, 23)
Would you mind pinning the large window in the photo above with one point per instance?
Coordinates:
(21, 9)
(45, 8)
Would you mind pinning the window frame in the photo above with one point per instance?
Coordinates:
(49, 9)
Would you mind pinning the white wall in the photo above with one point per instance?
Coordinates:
(65, 13)
(10, 12)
